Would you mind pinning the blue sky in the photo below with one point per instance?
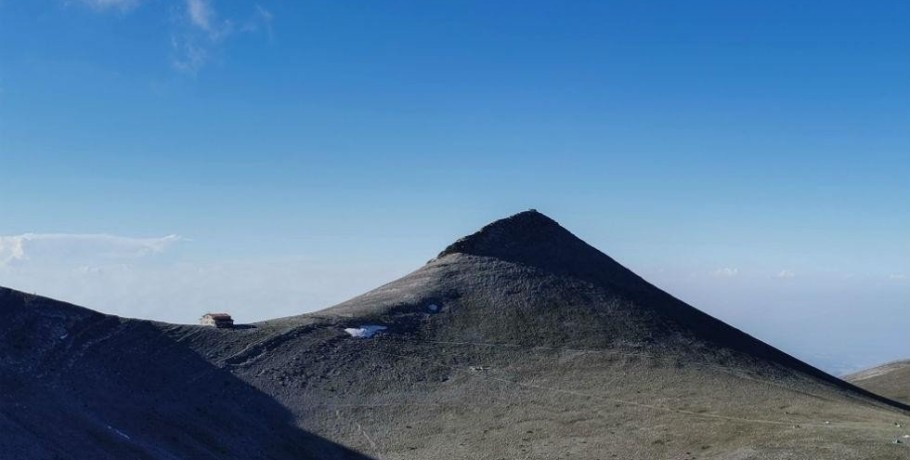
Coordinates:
(162, 158)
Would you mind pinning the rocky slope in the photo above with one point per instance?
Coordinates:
(517, 342)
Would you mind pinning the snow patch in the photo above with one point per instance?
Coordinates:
(364, 332)
(122, 434)
(433, 307)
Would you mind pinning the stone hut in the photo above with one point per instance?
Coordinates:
(220, 320)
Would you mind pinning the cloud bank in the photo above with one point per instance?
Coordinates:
(65, 248)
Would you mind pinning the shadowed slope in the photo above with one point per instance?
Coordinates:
(76, 384)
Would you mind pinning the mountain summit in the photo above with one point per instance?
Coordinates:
(515, 238)
(519, 341)
(531, 238)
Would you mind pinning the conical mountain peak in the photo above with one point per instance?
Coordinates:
(526, 280)
(528, 230)
(533, 239)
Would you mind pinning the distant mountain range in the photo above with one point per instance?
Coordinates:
(517, 342)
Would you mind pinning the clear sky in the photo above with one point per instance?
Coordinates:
(163, 158)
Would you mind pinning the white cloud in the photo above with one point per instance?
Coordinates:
(897, 277)
(65, 248)
(195, 41)
(201, 33)
(785, 274)
(726, 272)
(203, 16)
(198, 32)
(200, 13)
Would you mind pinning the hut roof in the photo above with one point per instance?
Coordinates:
(218, 315)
